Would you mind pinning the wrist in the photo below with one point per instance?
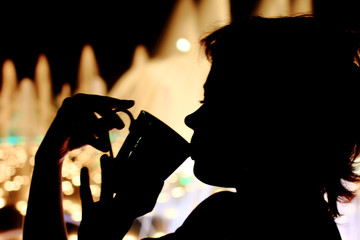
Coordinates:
(51, 151)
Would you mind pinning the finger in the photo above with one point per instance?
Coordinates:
(99, 138)
(92, 131)
(85, 192)
(83, 137)
(102, 104)
(103, 124)
(85, 105)
(106, 164)
(111, 121)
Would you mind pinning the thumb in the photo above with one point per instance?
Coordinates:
(107, 191)
(85, 192)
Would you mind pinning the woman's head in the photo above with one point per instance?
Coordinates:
(280, 100)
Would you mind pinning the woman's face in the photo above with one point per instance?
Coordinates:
(248, 121)
(238, 124)
(216, 145)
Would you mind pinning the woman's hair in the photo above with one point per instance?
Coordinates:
(310, 65)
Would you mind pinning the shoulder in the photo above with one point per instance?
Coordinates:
(210, 215)
(217, 199)
(214, 206)
(206, 218)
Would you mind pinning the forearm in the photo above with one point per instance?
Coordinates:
(45, 210)
(74, 126)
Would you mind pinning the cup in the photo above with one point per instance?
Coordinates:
(152, 148)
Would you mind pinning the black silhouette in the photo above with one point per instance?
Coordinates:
(279, 122)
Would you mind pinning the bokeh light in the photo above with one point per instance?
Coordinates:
(183, 45)
(169, 86)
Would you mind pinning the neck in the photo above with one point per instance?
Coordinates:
(278, 191)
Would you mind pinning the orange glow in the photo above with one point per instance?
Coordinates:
(168, 84)
(277, 8)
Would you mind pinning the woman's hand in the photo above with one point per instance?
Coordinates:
(81, 120)
(75, 125)
(112, 217)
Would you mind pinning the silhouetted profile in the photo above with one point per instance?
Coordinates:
(279, 122)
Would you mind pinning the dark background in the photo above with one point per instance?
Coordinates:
(61, 29)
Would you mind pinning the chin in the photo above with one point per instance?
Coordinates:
(213, 175)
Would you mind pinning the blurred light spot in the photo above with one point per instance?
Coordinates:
(163, 197)
(21, 206)
(73, 237)
(76, 216)
(34, 150)
(9, 186)
(178, 192)
(95, 190)
(67, 204)
(185, 180)
(32, 161)
(12, 171)
(158, 234)
(74, 207)
(129, 237)
(19, 179)
(97, 177)
(173, 178)
(183, 45)
(2, 202)
(67, 188)
(16, 186)
(13, 140)
(83, 157)
(76, 180)
(171, 213)
(21, 155)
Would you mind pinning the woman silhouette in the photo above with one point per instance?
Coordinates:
(279, 122)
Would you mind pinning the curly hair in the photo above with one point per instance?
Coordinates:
(316, 60)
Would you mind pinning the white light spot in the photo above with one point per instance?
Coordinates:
(183, 45)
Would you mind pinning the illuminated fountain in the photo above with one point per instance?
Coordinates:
(169, 85)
